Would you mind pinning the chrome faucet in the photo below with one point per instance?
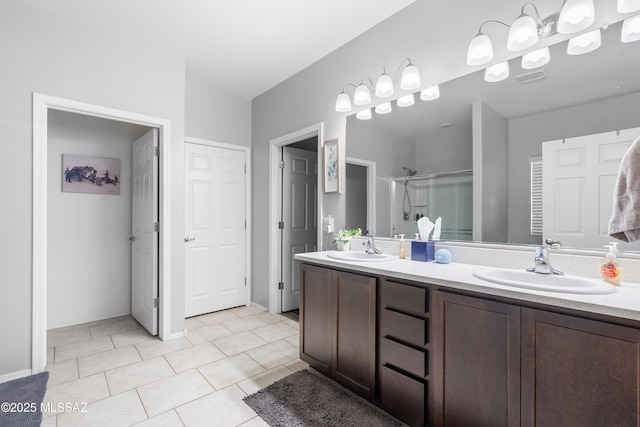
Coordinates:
(370, 246)
(542, 263)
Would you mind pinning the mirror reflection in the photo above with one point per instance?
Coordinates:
(497, 130)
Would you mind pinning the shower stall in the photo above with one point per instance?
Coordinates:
(447, 195)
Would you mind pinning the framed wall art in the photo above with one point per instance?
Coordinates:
(331, 166)
(85, 174)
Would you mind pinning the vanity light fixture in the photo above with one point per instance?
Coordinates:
(536, 59)
(584, 43)
(384, 108)
(406, 101)
(630, 30)
(431, 93)
(364, 114)
(384, 87)
(628, 6)
(576, 15)
(497, 72)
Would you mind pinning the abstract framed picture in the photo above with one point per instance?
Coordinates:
(331, 166)
(86, 174)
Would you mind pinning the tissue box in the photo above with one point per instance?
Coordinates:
(423, 250)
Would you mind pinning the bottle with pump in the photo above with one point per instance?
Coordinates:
(401, 252)
(610, 268)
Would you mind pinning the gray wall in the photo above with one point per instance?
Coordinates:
(526, 135)
(444, 151)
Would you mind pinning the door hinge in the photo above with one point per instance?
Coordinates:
(156, 227)
(281, 164)
(156, 303)
(245, 224)
(281, 285)
(245, 281)
(245, 168)
(156, 151)
(281, 225)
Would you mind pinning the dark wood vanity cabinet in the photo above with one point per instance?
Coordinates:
(500, 364)
(338, 325)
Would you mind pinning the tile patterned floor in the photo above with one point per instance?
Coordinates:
(128, 378)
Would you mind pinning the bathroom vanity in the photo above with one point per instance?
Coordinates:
(434, 345)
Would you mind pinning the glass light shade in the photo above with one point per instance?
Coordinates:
(627, 6)
(362, 96)
(576, 15)
(523, 33)
(584, 43)
(343, 103)
(364, 114)
(630, 29)
(430, 93)
(410, 79)
(406, 101)
(536, 59)
(384, 86)
(480, 50)
(383, 108)
(497, 72)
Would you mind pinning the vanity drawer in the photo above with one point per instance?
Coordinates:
(403, 397)
(404, 357)
(405, 298)
(404, 327)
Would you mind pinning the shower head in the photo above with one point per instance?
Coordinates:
(410, 172)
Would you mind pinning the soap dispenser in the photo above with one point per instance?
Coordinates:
(610, 268)
(402, 251)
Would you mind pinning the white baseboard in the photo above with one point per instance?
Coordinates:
(14, 375)
(174, 336)
(253, 304)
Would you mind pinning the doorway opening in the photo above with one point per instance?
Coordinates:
(294, 181)
(43, 105)
(360, 201)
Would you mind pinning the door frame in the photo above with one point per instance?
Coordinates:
(41, 106)
(275, 195)
(371, 190)
(247, 203)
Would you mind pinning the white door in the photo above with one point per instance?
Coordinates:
(579, 175)
(144, 246)
(215, 227)
(299, 207)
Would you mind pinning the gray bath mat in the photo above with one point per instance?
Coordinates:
(21, 400)
(306, 399)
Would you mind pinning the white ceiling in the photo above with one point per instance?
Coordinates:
(244, 47)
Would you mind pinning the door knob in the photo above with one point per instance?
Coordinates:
(189, 239)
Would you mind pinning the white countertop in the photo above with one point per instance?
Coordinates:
(623, 303)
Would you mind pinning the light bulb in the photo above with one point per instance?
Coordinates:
(343, 103)
(480, 50)
(362, 96)
(576, 15)
(523, 33)
(497, 72)
(536, 59)
(584, 43)
(410, 79)
(406, 101)
(430, 93)
(384, 86)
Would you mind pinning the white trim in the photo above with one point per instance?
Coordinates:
(41, 105)
(248, 211)
(14, 375)
(275, 195)
(371, 191)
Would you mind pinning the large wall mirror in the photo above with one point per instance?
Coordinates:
(572, 96)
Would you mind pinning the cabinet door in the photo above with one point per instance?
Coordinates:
(477, 362)
(355, 332)
(578, 372)
(316, 298)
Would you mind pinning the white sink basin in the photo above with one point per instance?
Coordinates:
(545, 282)
(359, 256)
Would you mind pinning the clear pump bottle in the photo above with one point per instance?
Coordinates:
(401, 251)
(610, 268)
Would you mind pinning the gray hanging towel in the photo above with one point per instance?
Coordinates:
(625, 216)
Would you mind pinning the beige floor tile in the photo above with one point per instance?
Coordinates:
(114, 327)
(81, 349)
(166, 419)
(246, 311)
(51, 356)
(274, 354)
(62, 372)
(193, 323)
(294, 340)
(238, 343)
(138, 374)
(51, 421)
(270, 318)
(226, 372)
(95, 323)
(123, 409)
(208, 333)
(260, 381)
(168, 393)
(223, 408)
(67, 336)
(297, 365)
(244, 324)
(155, 348)
(83, 390)
(217, 317)
(255, 422)
(134, 336)
(192, 357)
(275, 332)
(107, 360)
(292, 323)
